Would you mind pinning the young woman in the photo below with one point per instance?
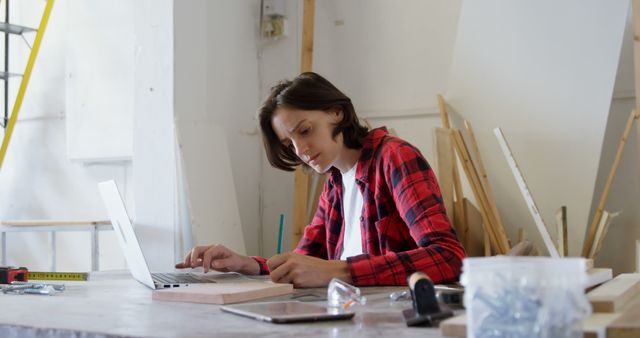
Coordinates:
(380, 216)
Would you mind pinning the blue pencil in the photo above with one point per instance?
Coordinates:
(280, 233)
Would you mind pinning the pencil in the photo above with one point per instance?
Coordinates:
(280, 233)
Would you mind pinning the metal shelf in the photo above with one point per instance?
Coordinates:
(15, 29)
(5, 76)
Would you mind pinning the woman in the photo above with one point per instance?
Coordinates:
(380, 216)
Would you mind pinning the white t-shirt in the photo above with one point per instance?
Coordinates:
(352, 210)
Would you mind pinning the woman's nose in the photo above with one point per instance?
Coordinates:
(301, 148)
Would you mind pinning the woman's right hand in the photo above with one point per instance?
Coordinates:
(219, 258)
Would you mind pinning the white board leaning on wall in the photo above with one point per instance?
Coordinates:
(208, 183)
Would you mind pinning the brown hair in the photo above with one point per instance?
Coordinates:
(308, 91)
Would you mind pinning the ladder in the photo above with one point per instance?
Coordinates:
(8, 28)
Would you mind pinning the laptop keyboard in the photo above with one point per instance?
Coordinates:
(178, 278)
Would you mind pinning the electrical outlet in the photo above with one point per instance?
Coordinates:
(273, 7)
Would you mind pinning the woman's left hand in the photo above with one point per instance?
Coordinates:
(306, 271)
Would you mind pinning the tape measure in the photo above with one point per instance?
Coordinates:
(77, 276)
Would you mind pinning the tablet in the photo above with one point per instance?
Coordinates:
(287, 312)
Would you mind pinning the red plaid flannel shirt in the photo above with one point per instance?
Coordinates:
(404, 225)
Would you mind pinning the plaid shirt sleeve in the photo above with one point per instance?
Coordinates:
(313, 242)
(262, 262)
(417, 197)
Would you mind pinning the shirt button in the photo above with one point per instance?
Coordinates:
(361, 218)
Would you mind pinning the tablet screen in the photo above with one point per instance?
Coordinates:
(287, 312)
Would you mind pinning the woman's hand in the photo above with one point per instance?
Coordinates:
(219, 258)
(306, 271)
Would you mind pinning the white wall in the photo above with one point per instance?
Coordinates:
(391, 58)
(216, 81)
(37, 179)
(154, 165)
(618, 248)
(546, 78)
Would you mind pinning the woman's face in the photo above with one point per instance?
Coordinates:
(309, 134)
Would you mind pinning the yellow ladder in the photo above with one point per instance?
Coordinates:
(15, 29)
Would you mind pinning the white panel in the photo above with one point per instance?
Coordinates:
(211, 194)
(99, 55)
(543, 71)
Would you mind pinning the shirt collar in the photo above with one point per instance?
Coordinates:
(370, 144)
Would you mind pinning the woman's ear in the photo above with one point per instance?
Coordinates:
(338, 114)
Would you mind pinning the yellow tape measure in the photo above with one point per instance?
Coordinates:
(79, 276)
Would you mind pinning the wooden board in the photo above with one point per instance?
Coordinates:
(616, 293)
(476, 234)
(561, 231)
(454, 326)
(524, 189)
(603, 227)
(597, 276)
(212, 204)
(223, 293)
(591, 231)
(444, 164)
(628, 324)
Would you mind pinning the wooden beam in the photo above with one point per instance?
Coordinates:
(588, 243)
(301, 179)
(496, 232)
(561, 231)
(520, 234)
(444, 164)
(459, 217)
(318, 185)
(614, 294)
(308, 25)
(635, 13)
(484, 179)
(601, 233)
(627, 325)
(524, 189)
(475, 236)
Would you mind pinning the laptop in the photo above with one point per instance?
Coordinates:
(133, 252)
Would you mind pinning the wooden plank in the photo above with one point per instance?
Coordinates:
(318, 185)
(483, 175)
(487, 244)
(638, 256)
(586, 248)
(524, 189)
(635, 14)
(628, 324)
(308, 25)
(615, 294)
(44, 222)
(601, 232)
(475, 237)
(223, 293)
(498, 238)
(459, 218)
(520, 234)
(444, 164)
(454, 326)
(597, 276)
(561, 231)
(444, 114)
(300, 205)
(596, 325)
(301, 179)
